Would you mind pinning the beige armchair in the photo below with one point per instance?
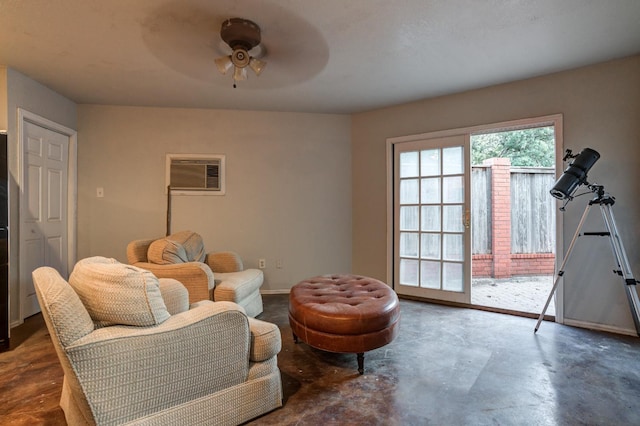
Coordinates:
(218, 276)
(133, 352)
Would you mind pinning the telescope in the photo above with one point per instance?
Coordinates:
(575, 175)
(564, 188)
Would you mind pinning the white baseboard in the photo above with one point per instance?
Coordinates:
(600, 327)
(279, 291)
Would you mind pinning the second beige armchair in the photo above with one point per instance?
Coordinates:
(218, 276)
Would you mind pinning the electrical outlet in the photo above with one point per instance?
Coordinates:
(262, 263)
(279, 264)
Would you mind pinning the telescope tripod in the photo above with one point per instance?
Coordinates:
(605, 201)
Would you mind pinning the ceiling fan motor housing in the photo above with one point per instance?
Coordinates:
(240, 33)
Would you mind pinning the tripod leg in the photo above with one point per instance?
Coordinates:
(623, 264)
(546, 305)
(564, 262)
(634, 303)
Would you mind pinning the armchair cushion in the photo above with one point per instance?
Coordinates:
(115, 293)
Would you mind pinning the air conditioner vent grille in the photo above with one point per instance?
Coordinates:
(196, 174)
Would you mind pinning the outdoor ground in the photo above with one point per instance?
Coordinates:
(524, 294)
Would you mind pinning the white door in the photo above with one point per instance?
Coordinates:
(43, 208)
(432, 235)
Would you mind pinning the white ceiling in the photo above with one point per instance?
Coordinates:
(329, 56)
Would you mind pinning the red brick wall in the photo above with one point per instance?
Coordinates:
(533, 264)
(521, 264)
(482, 265)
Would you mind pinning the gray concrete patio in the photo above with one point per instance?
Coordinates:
(523, 294)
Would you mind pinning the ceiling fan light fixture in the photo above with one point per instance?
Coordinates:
(224, 64)
(240, 74)
(241, 35)
(257, 65)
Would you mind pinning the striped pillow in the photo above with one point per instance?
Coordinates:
(166, 252)
(181, 247)
(192, 244)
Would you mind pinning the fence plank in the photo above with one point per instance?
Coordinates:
(532, 213)
(481, 210)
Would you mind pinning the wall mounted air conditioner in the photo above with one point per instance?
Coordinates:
(195, 174)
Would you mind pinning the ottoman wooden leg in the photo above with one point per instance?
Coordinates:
(360, 357)
(295, 338)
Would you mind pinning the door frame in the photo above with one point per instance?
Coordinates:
(551, 120)
(24, 117)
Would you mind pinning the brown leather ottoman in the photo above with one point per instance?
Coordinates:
(344, 313)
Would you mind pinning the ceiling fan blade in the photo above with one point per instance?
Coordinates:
(240, 74)
(224, 64)
(257, 65)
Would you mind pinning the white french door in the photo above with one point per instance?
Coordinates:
(432, 235)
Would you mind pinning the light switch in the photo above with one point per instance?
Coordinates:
(100, 192)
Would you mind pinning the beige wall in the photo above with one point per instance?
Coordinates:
(23, 92)
(3, 98)
(601, 109)
(288, 185)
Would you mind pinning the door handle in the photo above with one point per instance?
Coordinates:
(467, 219)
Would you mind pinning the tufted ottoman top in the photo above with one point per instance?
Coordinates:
(344, 304)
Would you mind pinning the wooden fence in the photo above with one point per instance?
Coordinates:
(531, 231)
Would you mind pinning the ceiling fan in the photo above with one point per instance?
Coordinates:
(242, 36)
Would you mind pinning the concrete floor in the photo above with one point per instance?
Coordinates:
(455, 366)
(448, 366)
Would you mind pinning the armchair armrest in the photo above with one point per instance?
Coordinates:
(137, 250)
(266, 341)
(125, 370)
(224, 261)
(197, 277)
